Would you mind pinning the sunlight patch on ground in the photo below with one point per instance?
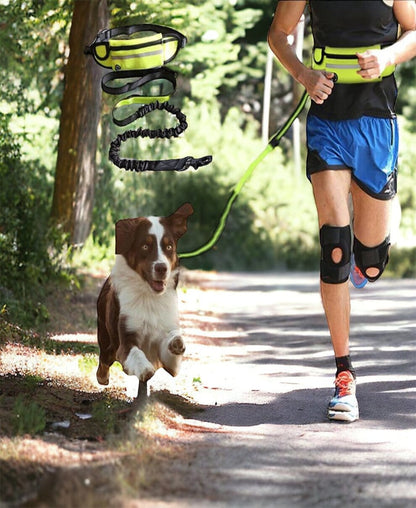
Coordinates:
(75, 337)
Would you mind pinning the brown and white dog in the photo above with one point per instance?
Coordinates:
(137, 309)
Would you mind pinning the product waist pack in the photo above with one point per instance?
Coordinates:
(136, 47)
(344, 63)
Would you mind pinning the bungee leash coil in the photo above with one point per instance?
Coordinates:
(167, 133)
(272, 144)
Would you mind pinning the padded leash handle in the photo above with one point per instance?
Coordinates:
(160, 165)
(141, 79)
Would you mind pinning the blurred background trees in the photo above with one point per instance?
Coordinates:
(52, 169)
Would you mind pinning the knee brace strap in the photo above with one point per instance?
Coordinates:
(371, 257)
(331, 238)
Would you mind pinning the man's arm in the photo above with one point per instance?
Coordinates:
(288, 13)
(374, 62)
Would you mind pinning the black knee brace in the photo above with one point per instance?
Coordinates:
(331, 238)
(371, 257)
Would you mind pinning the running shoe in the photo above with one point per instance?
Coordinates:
(344, 406)
(356, 276)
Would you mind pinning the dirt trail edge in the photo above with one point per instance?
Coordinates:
(263, 370)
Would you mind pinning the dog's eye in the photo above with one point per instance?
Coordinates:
(169, 247)
(145, 247)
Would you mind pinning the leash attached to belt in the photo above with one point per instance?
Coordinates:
(343, 62)
(272, 144)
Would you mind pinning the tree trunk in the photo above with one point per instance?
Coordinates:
(81, 107)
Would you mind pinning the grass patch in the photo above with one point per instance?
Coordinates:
(28, 417)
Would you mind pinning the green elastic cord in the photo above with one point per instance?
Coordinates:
(273, 142)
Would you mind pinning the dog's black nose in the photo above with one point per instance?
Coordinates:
(161, 269)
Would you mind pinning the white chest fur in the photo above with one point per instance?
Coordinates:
(145, 311)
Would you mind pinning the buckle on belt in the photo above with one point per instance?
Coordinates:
(343, 62)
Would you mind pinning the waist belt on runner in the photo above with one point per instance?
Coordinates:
(136, 47)
(344, 63)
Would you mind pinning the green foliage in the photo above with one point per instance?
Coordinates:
(47, 344)
(25, 237)
(402, 262)
(406, 103)
(31, 382)
(28, 417)
(407, 173)
(87, 364)
(33, 38)
(104, 412)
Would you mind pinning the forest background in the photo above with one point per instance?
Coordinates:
(60, 195)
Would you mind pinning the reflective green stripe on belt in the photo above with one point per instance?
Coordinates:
(136, 47)
(344, 63)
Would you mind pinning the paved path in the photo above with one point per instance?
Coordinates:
(266, 370)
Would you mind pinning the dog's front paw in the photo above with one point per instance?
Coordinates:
(103, 374)
(177, 346)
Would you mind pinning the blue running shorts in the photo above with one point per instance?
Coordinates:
(367, 145)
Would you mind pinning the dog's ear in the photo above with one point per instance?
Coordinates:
(178, 220)
(125, 230)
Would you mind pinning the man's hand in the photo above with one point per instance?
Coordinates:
(372, 63)
(318, 84)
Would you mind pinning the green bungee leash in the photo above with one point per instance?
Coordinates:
(273, 142)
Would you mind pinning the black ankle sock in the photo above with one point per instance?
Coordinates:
(344, 363)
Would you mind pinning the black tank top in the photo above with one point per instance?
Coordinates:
(354, 23)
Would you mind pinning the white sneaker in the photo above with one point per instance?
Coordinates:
(344, 405)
